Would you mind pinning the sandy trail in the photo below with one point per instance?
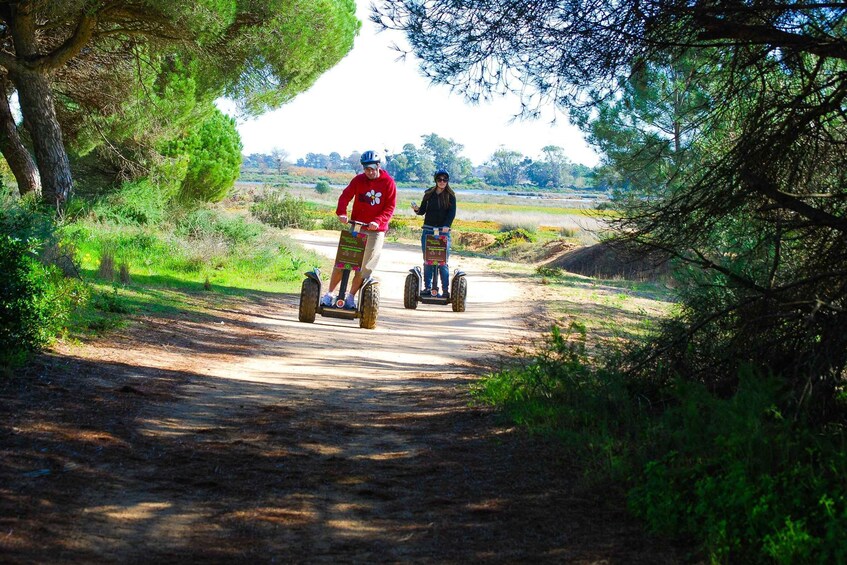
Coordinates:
(242, 435)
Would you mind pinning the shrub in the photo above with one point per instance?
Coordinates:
(282, 211)
(35, 298)
(214, 160)
(322, 187)
(135, 203)
(400, 227)
(514, 236)
(203, 223)
(752, 484)
(332, 223)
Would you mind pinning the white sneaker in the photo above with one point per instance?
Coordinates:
(327, 299)
(350, 302)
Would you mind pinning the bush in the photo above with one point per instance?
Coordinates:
(282, 211)
(332, 223)
(35, 298)
(203, 223)
(401, 227)
(515, 236)
(322, 187)
(753, 485)
(135, 203)
(214, 160)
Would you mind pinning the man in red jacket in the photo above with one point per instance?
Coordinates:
(374, 197)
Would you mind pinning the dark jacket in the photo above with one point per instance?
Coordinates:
(435, 214)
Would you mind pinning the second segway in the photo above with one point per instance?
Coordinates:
(435, 254)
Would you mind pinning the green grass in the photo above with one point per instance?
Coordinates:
(611, 311)
(497, 207)
(731, 475)
(270, 261)
(208, 253)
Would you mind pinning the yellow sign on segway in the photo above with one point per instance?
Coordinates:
(351, 250)
(436, 250)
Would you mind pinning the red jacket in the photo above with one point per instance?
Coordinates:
(373, 200)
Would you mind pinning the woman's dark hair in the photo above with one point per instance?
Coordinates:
(443, 198)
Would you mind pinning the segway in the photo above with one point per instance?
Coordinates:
(348, 258)
(435, 254)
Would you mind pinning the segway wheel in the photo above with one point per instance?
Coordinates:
(370, 306)
(309, 295)
(458, 293)
(410, 292)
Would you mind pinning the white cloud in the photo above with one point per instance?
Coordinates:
(370, 100)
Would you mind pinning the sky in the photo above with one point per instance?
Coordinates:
(330, 116)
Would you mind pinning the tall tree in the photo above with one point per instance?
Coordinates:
(411, 164)
(260, 53)
(280, 157)
(553, 170)
(20, 161)
(748, 186)
(445, 154)
(506, 167)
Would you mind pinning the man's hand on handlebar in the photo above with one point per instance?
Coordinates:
(373, 226)
(342, 218)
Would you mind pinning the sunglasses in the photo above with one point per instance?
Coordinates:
(440, 179)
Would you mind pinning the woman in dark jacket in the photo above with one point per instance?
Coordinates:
(438, 208)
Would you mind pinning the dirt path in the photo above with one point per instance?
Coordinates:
(242, 435)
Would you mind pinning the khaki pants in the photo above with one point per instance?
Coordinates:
(373, 250)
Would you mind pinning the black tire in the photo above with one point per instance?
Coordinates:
(410, 292)
(309, 295)
(458, 293)
(370, 306)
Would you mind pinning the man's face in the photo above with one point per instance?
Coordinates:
(372, 173)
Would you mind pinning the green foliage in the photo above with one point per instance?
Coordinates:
(289, 47)
(204, 223)
(161, 109)
(412, 164)
(281, 210)
(399, 226)
(445, 154)
(137, 202)
(111, 302)
(515, 236)
(506, 168)
(203, 248)
(35, 298)
(214, 159)
(558, 391)
(737, 475)
(331, 222)
(755, 486)
(158, 70)
(322, 187)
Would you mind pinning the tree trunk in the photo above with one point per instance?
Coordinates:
(36, 100)
(35, 96)
(19, 159)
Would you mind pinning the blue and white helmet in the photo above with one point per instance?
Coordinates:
(370, 157)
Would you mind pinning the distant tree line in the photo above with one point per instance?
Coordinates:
(505, 167)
